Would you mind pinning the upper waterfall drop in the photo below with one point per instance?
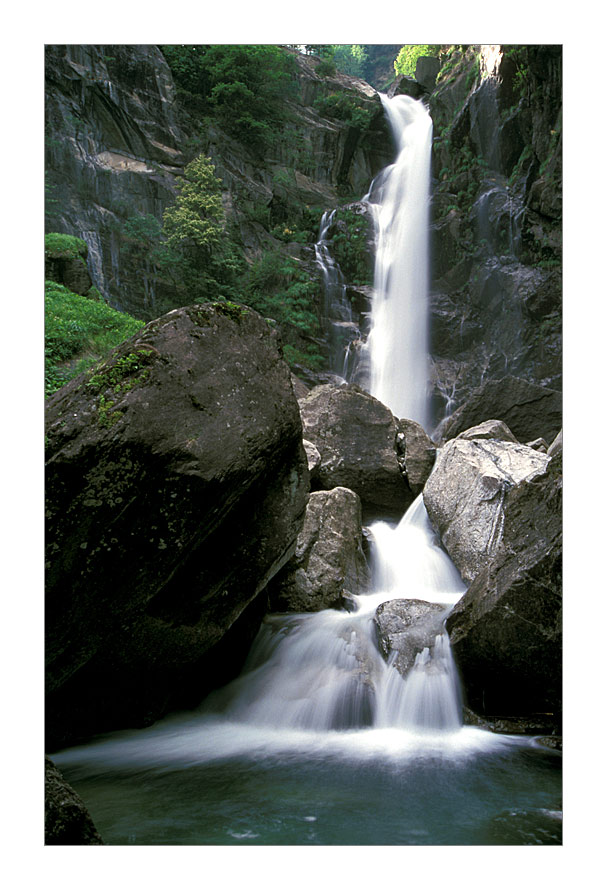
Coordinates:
(398, 342)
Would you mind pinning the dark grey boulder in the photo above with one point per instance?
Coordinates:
(417, 453)
(176, 486)
(406, 627)
(530, 411)
(66, 819)
(506, 630)
(426, 71)
(329, 565)
(364, 447)
(465, 496)
(490, 429)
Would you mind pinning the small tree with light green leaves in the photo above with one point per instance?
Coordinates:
(195, 223)
(408, 55)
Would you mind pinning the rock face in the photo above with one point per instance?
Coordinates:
(496, 228)
(506, 630)
(465, 496)
(529, 410)
(329, 564)
(70, 271)
(176, 486)
(66, 819)
(405, 627)
(356, 436)
(118, 139)
(417, 453)
(490, 429)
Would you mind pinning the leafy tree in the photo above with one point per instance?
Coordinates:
(195, 223)
(198, 250)
(406, 59)
(351, 58)
(239, 85)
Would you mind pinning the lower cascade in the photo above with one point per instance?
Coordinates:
(323, 671)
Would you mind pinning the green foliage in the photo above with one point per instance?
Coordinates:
(345, 107)
(59, 246)
(349, 246)
(408, 55)
(78, 332)
(281, 289)
(241, 86)
(121, 374)
(350, 58)
(198, 250)
(518, 55)
(197, 218)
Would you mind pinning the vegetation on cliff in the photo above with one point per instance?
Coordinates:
(248, 199)
(79, 331)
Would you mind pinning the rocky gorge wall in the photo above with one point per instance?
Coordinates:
(118, 139)
(497, 213)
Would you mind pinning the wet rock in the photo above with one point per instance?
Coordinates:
(406, 86)
(426, 71)
(530, 725)
(465, 496)
(329, 565)
(490, 429)
(406, 627)
(176, 486)
(417, 453)
(506, 632)
(556, 447)
(356, 437)
(313, 456)
(538, 445)
(529, 410)
(66, 819)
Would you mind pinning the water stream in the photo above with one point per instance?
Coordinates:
(321, 740)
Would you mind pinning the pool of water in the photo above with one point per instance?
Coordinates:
(193, 780)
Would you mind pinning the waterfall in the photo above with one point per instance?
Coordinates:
(337, 312)
(323, 671)
(398, 342)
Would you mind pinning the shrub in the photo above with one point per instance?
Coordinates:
(78, 332)
(406, 60)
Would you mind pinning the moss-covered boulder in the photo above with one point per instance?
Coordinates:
(65, 262)
(176, 486)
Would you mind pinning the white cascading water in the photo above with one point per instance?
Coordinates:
(317, 681)
(337, 310)
(323, 671)
(398, 342)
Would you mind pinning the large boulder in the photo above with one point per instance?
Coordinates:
(364, 447)
(490, 429)
(405, 628)
(465, 496)
(66, 819)
(329, 564)
(530, 411)
(506, 630)
(176, 486)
